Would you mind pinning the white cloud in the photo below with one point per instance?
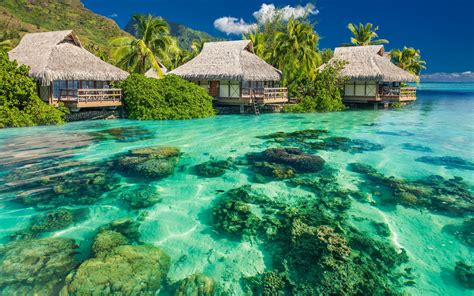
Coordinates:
(267, 12)
(467, 76)
(233, 25)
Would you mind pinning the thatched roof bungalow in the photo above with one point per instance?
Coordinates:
(151, 73)
(371, 76)
(234, 74)
(66, 71)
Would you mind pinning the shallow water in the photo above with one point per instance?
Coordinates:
(440, 123)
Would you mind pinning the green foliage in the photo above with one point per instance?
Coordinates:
(408, 59)
(19, 102)
(168, 98)
(326, 55)
(365, 34)
(323, 94)
(152, 45)
(290, 46)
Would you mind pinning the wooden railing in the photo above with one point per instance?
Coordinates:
(407, 92)
(91, 95)
(275, 93)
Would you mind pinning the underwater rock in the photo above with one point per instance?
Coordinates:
(233, 215)
(150, 162)
(415, 147)
(197, 285)
(140, 196)
(345, 144)
(125, 226)
(214, 168)
(381, 228)
(125, 134)
(464, 232)
(78, 184)
(125, 270)
(267, 171)
(107, 240)
(465, 274)
(35, 267)
(268, 283)
(435, 193)
(297, 135)
(448, 162)
(292, 157)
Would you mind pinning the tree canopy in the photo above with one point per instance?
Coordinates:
(408, 59)
(365, 34)
(19, 101)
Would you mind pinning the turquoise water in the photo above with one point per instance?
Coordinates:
(439, 124)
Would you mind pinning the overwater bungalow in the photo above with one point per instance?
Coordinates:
(372, 78)
(66, 72)
(234, 75)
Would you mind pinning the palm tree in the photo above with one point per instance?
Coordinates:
(297, 49)
(408, 59)
(259, 40)
(365, 34)
(151, 45)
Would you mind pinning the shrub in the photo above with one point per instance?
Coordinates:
(168, 98)
(323, 94)
(19, 101)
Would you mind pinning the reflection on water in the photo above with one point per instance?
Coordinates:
(222, 206)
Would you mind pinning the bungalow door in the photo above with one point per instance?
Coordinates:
(214, 88)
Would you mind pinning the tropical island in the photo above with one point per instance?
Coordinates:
(276, 67)
(252, 163)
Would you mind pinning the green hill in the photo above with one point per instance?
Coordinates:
(18, 17)
(183, 34)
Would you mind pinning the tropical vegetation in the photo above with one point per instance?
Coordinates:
(365, 34)
(19, 101)
(408, 59)
(152, 46)
(322, 94)
(168, 98)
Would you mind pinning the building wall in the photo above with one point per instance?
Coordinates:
(360, 89)
(44, 92)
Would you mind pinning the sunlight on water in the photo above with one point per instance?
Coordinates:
(77, 165)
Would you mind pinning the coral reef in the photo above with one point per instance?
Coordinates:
(124, 270)
(448, 162)
(415, 147)
(35, 267)
(126, 134)
(196, 285)
(464, 232)
(128, 227)
(313, 140)
(435, 193)
(56, 184)
(214, 168)
(107, 240)
(465, 274)
(140, 196)
(150, 162)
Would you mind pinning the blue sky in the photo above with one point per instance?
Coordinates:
(443, 30)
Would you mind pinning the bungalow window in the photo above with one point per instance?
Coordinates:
(349, 89)
(360, 89)
(58, 85)
(229, 89)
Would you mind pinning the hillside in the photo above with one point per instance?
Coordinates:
(20, 16)
(183, 34)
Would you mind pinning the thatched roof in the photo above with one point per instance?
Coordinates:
(228, 60)
(370, 63)
(151, 73)
(60, 56)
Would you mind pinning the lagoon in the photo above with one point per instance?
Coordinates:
(434, 136)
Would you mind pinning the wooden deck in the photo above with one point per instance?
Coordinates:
(91, 98)
(261, 96)
(387, 94)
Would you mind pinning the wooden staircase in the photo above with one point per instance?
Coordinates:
(253, 98)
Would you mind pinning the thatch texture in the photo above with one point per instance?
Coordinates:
(60, 56)
(228, 60)
(151, 73)
(370, 63)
